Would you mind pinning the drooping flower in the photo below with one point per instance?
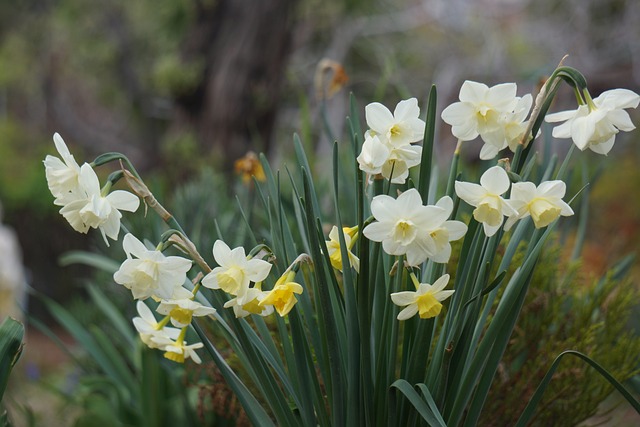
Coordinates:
(491, 208)
(426, 301)
(252, 305)
(235, 271)
(445, 232)
(283, 295)
(403, 224)
(150, 273)
(178, 350)
(182, 311)
(596, 124)
(400, 128)
(150, 330)
(333, 247)
(62, 175)
(480, 109)
(544, 203)
(90, 208)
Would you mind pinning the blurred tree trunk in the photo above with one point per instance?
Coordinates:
(245, 45)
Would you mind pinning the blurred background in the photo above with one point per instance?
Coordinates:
(184, 88)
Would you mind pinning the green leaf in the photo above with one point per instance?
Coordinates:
(11, 334)
(537, 396)
(426, 408)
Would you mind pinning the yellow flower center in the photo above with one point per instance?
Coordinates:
(543, 212)
(428, 306)
(404, 232)
(488, 211)
(253, 306)
(230, 280)
(395, 130)
(176, 357)
(181, 315)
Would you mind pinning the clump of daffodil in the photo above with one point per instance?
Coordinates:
(249, 166)
(283, 295)
(426, 301)
(333, 247)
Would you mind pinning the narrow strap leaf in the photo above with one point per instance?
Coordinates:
(535, 399)
(427, 409)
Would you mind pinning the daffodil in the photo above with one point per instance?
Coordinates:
(403, 224)
(543, 203)
(150, 273)
(283, 295)
(62, 175)
(90, 208)
(480, 109)
(249, 166)
(595, 124)
(400, 128)
(183, 310)
(490, 207)
(178, 350)
(374, 154)
(333, 247)
(235, 271)
(252, 303)
(510, 129)
(426, 301)
(150, 330)
(445, 231)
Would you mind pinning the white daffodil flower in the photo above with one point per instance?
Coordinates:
(425, 301)
(149, 329)
(150, 273)
(235, 271)
(396, 168)
(252, 305)
(510, 130)
(62, 175)
(480, 109)
(402, 225)
(544, 203)
(491, 208)
(178, 350)
(400, 128)
(596, 124)
(374, 154)
(183, 310)
(447, 231)
(90, 209)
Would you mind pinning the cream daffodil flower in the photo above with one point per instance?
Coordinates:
(480, 109)
(400, 128)
(596, 124)
(181, 311)
(426, 301)
(150, 273)
(149, 328)
(252, 303)
(446, 232)
(90, 208)
(543, 203)
(62, 175)
(490, 207)
(403, 225)
(235, 271)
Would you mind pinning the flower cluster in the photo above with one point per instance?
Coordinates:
(387, 148)
(543, 203)
(84, 204)
(406, 227)
(495, 114)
